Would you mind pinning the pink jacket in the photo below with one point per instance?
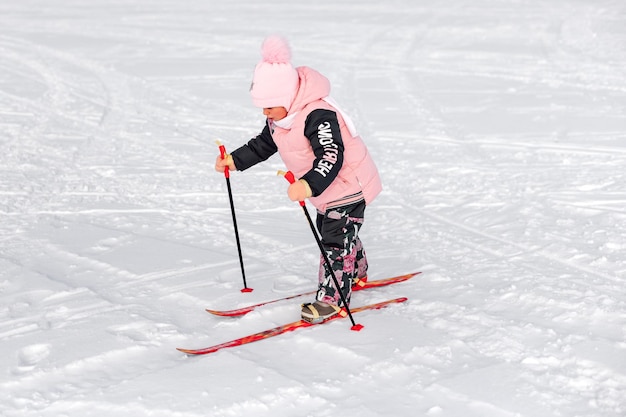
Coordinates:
(358, 173)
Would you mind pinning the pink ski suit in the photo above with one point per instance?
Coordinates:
(357, 177)
(358, 173)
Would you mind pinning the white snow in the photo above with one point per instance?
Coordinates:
(500, 131)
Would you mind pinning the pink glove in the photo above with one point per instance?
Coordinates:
(299, 190)
(221, 164)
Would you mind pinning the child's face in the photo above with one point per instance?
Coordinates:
(275, 113)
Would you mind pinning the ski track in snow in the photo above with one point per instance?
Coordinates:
(500, 132)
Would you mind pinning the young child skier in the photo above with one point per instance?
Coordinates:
(319, 144)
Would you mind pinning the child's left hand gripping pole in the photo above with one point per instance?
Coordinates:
(232, 210)
(291, 178)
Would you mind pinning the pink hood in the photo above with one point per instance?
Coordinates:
(313, 86)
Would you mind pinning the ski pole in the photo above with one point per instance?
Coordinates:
(232, 210)
(356, 327)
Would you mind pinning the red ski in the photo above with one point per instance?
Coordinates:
(285, 329)
(362, 285)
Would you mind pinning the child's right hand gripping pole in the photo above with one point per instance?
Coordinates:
(291, 178)
(223, 155)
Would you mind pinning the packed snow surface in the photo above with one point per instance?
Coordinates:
(499, 128)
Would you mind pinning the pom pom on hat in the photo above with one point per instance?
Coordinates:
(275, 50)
(275, 82)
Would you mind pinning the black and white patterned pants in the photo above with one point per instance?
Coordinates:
(339, 228)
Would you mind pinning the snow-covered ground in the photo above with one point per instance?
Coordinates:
(499, 127)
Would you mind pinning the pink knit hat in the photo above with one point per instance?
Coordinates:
(275, 81)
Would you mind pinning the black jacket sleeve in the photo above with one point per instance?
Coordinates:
(257, 150)
(322, 129)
